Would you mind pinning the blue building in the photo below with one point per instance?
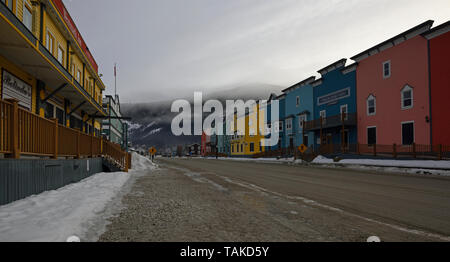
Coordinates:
(282, 110)
(334, 112)
(299, 108)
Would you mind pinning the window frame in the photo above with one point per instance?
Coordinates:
(346, 111)
(405, 89)
(30, 10)
(384, 70)
(371, 97)
(60, 48)
(300, 120)
(288, 124)
(49, 37)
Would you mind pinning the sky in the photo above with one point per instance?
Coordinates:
(167, 49)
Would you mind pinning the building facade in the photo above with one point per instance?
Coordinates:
(114, 129)
(393, 90)
(46, 65)
(334, 98)
(439, 57)
(299, 108)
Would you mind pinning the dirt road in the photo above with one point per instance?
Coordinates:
(216, 200)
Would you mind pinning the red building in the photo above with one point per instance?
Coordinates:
(393, 90)
(439, 61)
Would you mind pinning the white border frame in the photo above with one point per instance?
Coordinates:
(407, 88)
(367, 105)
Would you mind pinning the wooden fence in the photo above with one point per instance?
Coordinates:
(388, 151)
(25, 133)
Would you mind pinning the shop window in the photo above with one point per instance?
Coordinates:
(408, 133)
(407, 97)
(371, 136)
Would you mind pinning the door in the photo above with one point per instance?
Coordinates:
(407, 133)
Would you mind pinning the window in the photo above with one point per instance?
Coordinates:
(50, 42)
(280, 125)
(323, 116)
(344, 111)
(60, 115)
(301, 119)
(60, 55)
(408, 133)
(260, 147)
(252, 147)
(9, 4)
(49, 110)
(371, 105)
(72, 69)
(407, 97)
(297, 102)
(242, 148)
(78, 76)
(387, 69)
(27, 16)
(371, 136)
(289, 124)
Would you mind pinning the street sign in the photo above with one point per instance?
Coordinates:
(152, 151)
(302, 148)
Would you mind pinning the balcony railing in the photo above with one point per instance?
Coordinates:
(332, 121)
(25, 133)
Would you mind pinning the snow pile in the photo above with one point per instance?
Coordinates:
(141, 163)
(388, 163)
(72, 210)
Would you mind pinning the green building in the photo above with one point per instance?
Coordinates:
(114, 129)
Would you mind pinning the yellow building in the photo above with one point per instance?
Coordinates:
(248, 138)
(46, 65)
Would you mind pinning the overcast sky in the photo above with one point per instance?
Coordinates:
(167, 49)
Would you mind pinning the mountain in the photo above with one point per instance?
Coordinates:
(151, 122)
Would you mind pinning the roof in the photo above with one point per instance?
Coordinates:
(333, 66)
(437, 31)
(413, 32)
(349, 68)
(300, 84)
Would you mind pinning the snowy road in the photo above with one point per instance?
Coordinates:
(79, 209)
(214, 200)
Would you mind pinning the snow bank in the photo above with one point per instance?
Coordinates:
(388, 163)
(72, 210)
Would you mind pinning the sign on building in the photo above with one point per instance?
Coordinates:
(15, 88)
(333, 97)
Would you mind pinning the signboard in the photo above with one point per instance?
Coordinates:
(333, 97)
(13, 87)
(302, 148)
(152, 151)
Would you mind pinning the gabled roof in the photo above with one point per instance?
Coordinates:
(300, 84)
(413, 32)
(437, 31)
(333, 66)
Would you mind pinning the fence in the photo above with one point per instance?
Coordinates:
(390, 151)
(25, 133)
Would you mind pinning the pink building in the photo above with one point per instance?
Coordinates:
(393, 98)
